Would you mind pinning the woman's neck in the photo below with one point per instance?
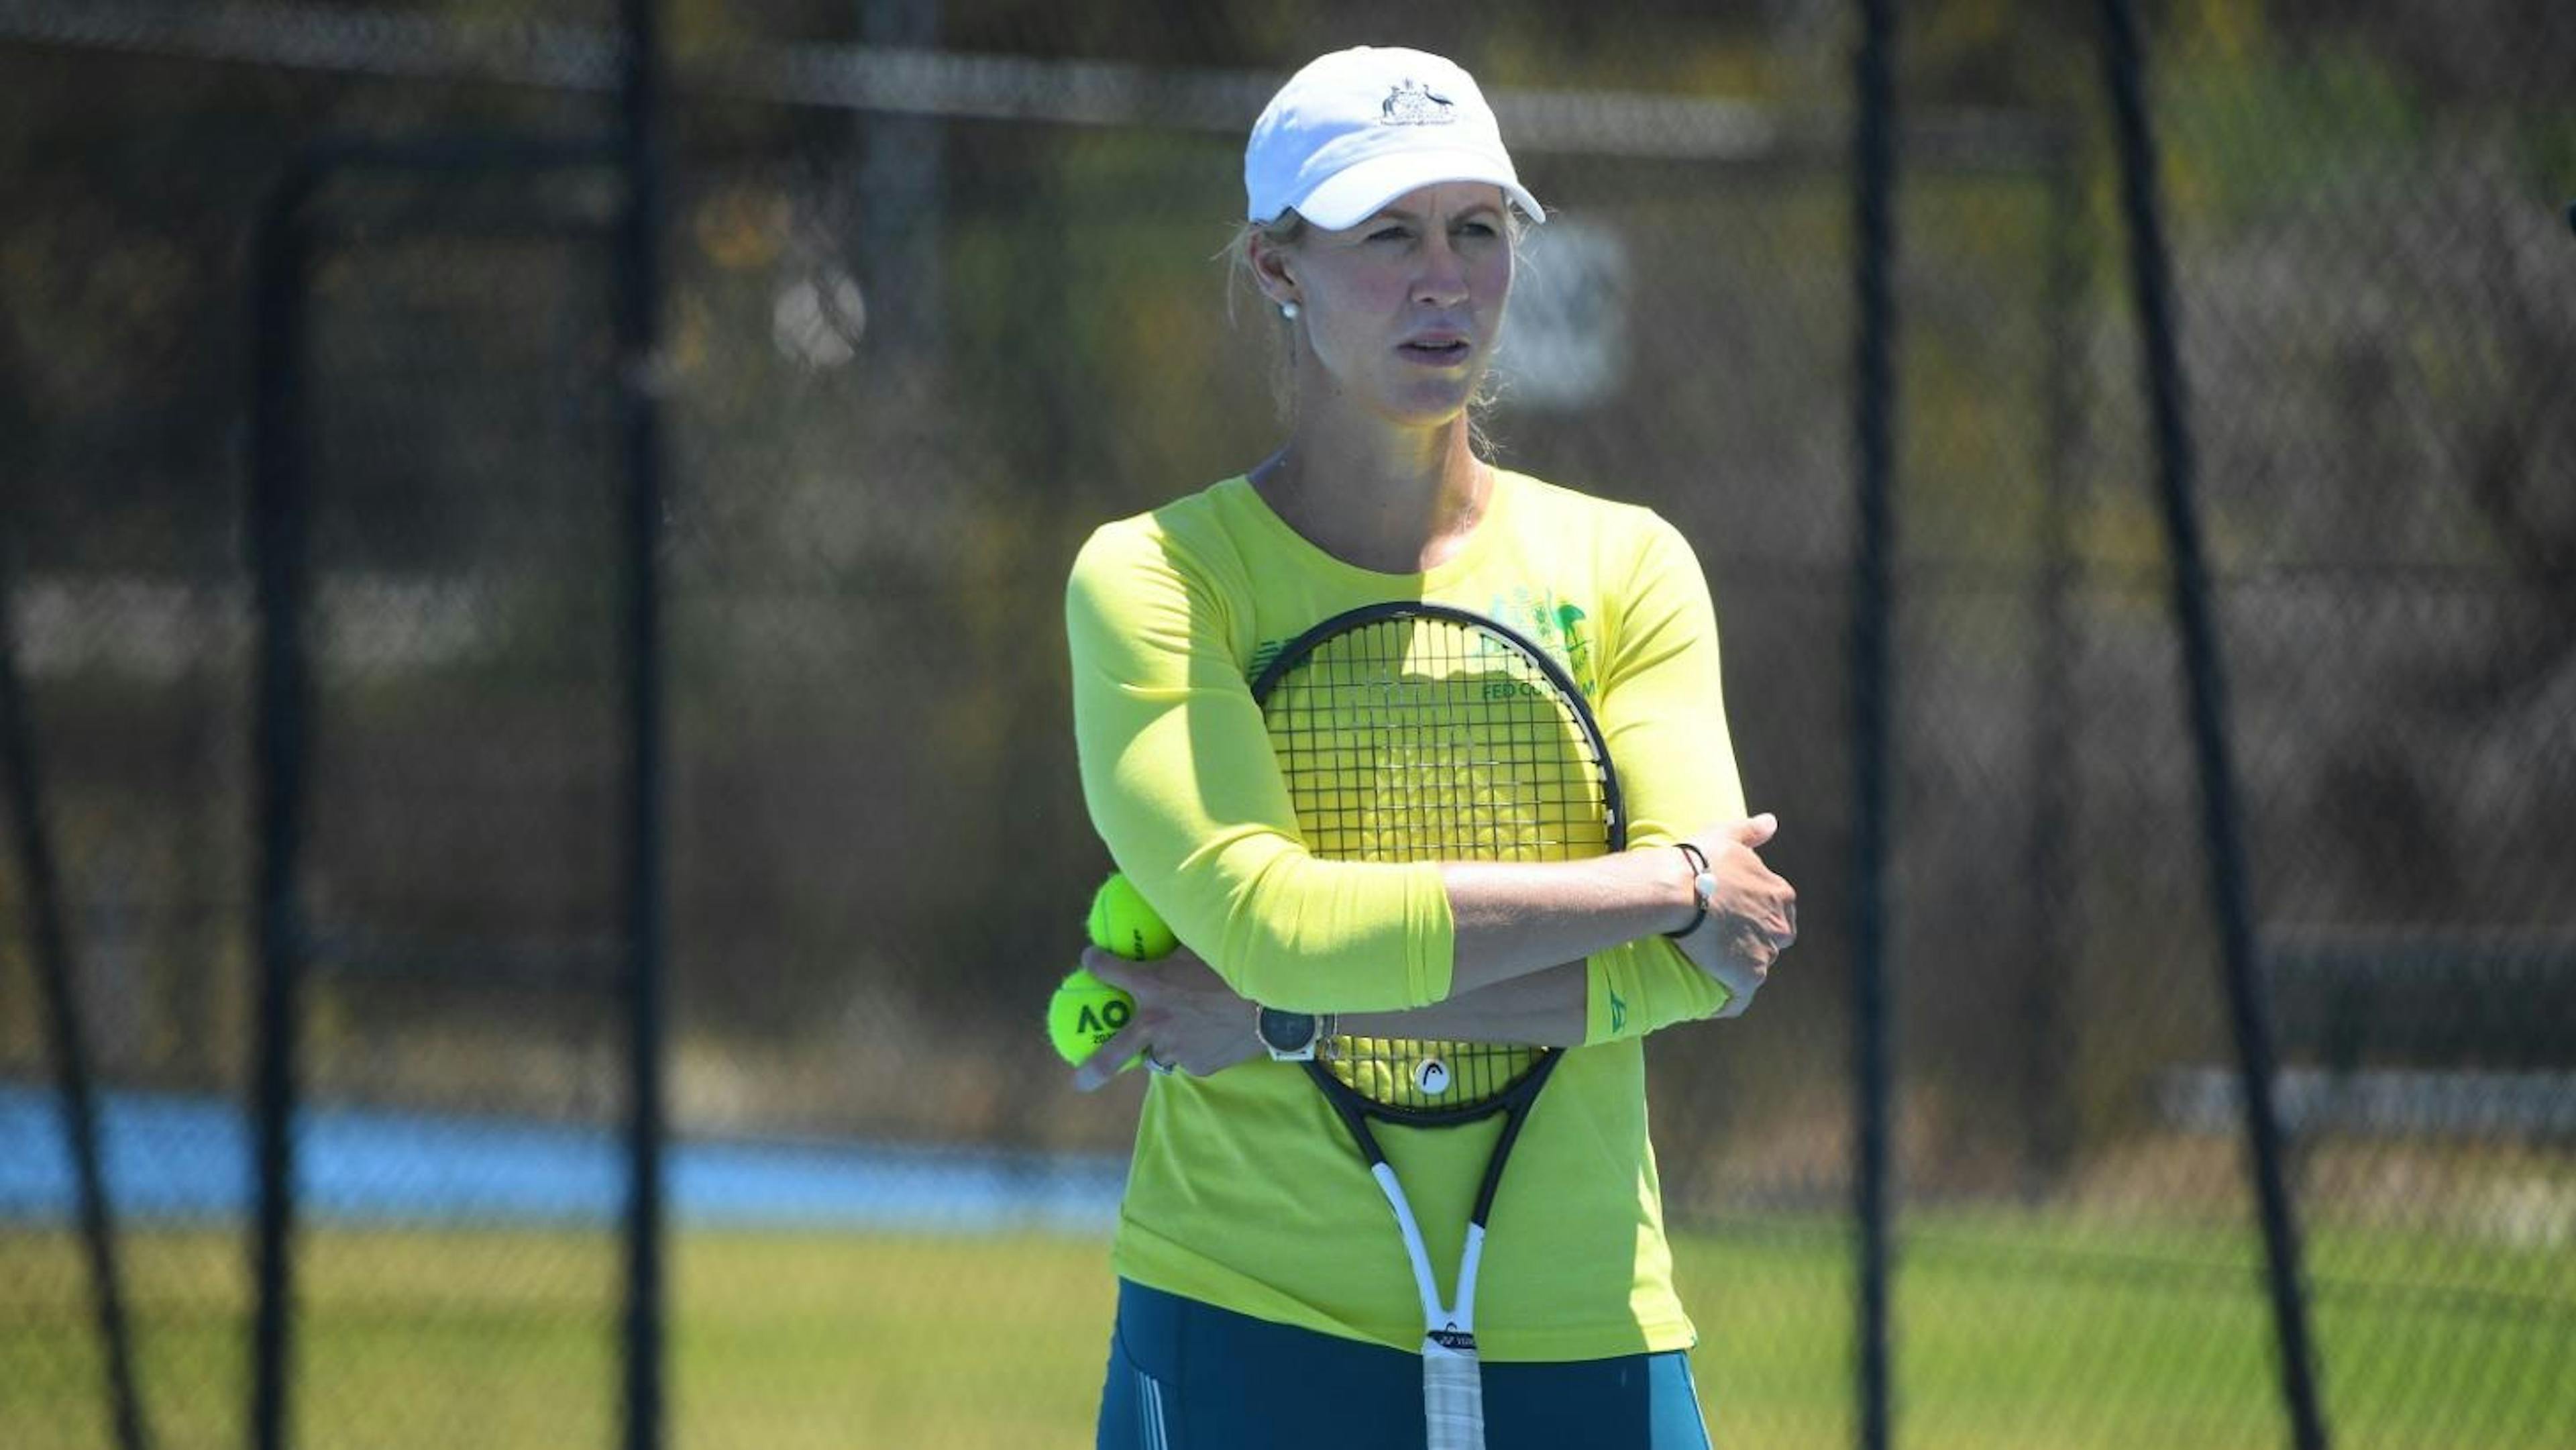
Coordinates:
(1399, 504)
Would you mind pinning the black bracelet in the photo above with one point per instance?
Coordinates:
(1699, 869)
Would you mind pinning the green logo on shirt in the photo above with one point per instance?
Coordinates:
(1555, 627)
(1262, 656)
(1578, 650)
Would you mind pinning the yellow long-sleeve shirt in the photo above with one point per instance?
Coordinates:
(1245, 1191)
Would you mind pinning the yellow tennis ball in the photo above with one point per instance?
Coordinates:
(1121, 922)
(1084, 1013)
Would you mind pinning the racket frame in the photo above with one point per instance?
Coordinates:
(1453, 1397)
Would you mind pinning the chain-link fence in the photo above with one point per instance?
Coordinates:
(940, 297)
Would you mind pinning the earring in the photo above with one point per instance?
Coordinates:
(1288, 310)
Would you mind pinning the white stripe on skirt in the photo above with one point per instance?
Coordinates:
(1149, 1413)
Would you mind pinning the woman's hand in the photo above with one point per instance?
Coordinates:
(1186, 1017)
(1752, 915)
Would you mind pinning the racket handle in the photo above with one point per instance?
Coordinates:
(1453, 1398)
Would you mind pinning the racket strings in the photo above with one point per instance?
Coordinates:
(1425, 1075)
(1428, 739)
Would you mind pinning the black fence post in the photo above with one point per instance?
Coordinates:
(50, 945)
(291, 230)
(1874, 170)
(639, 416)
(2044, 1016)
(2124, 62)
(279, 570)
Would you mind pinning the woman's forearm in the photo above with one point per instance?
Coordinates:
(1514, 918)
(1545, 1008)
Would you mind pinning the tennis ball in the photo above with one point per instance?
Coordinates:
(1084, 1013)
(1121, 922)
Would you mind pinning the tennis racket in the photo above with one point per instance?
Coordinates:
(1417, 732)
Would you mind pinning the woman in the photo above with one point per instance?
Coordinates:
(1256, 1305)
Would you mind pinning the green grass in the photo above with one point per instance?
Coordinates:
(2014, 1332)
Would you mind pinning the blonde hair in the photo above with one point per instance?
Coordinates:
(1286, 232)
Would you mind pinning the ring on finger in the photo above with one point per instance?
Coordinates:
(1156, 1065)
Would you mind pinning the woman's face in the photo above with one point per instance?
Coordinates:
(1401, 313)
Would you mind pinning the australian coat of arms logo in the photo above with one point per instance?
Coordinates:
(1413, 104)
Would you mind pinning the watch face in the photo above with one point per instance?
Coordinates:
(1286, 1031)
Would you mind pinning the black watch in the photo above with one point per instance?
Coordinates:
(1289, 1036)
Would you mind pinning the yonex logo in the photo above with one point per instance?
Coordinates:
(1454, 1338)
(1413, 104)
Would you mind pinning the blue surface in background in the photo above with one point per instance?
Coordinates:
(170, 1157)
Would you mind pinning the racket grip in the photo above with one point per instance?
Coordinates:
(1453, 1398)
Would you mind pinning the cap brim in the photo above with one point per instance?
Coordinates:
(1360, 191)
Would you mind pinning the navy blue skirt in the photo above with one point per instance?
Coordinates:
(1188, 1376)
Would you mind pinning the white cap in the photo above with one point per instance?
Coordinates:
(1358, 128)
